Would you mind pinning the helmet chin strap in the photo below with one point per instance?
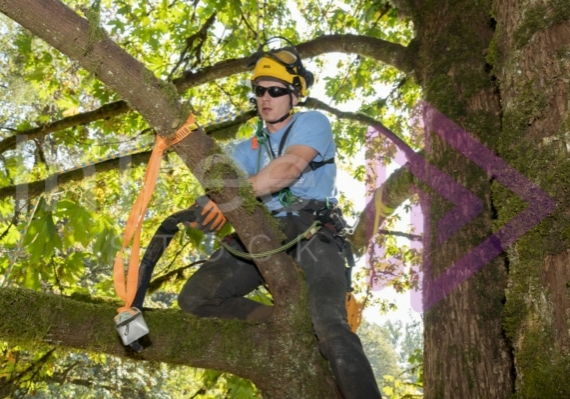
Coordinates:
(287, 115)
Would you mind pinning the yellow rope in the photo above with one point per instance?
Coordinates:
(381, 209)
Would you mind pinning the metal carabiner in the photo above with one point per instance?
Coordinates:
(350, 230)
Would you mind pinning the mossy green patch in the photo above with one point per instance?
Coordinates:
(538, 17)
(544, 369)
(96, 32)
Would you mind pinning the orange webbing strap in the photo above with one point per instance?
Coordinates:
(353, 311)
(133, 227)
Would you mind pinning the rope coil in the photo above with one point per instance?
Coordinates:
(246, 255)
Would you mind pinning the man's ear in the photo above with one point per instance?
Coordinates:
(295, 99)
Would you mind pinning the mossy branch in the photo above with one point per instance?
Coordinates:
(396, 189)
(89, 325)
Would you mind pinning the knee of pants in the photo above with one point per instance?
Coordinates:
(326, 328)
(189, 303)
(192, 303)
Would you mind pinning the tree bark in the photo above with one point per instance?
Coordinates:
(466, 354)
(532, 65)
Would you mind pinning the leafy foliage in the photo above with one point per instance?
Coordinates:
(65, 240)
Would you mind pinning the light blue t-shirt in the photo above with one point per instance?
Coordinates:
(310, 128)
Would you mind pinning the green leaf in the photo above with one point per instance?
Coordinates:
(78, 223)
(42, 237)
(108, 241)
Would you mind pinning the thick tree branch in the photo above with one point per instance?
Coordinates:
(86, 325)
(239, 347)
(399, 56)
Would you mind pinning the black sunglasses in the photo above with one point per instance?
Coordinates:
(274, 91)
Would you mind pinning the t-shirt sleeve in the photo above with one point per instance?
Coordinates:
(243, 158)
(313, 129)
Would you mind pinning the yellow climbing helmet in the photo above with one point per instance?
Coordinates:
(283, 65)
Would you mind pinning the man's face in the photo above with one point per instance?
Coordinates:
(272, 108)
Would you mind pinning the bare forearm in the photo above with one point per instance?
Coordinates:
(280, 173)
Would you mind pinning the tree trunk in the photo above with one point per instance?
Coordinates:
(532, 64)
(466, 353)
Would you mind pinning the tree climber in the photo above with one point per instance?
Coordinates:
(290, 164)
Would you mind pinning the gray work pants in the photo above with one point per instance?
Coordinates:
(218, 287)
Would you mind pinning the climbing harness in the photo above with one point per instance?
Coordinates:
(325, 215)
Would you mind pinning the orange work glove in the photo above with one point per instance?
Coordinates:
(207, 215)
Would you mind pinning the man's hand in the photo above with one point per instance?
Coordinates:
(206, 215)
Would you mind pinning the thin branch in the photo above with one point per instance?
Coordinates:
(156, 283)
(412, 237)
(104, 112)
(194, 41)
(34, 189)
(394, 54)
(397, 188)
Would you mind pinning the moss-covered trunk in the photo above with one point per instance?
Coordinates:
(532, 64)
(466, 353)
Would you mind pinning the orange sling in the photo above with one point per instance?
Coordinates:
(128, 290)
